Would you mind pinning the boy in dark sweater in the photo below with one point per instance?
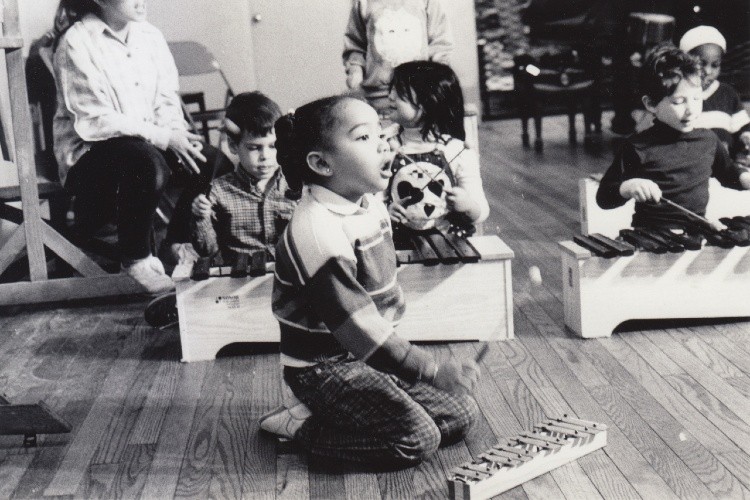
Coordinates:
(672, 158)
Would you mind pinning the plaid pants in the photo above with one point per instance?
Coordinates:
(360, 414)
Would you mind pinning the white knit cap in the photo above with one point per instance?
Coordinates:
(701, 35)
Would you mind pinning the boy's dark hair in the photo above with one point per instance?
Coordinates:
(306, 130)
(254, 113)
(435, 88)
(664, 67)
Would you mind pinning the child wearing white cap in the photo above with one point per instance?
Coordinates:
(723, 111)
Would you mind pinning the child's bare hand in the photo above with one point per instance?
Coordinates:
(398, 213)
(202, 207)
(716, 225)
(354, 76)
(745, 139)
(458, 199)
(457, 376)
(188, 148)
(641, 190)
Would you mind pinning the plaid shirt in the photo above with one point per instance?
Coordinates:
(244, 219)
(108, 88)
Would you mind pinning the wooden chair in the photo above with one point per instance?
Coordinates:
(555, 79)
(193, 59)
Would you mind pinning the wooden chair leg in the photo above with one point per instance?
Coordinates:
(538, 144)
(572, 108)
(525, 131)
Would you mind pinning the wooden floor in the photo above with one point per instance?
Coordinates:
(676, 397)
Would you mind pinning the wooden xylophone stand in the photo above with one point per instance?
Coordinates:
(600, 293)
(455, 301)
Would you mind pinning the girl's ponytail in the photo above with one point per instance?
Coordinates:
(307, 129)
(288, 155)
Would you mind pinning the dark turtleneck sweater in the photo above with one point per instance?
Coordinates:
(679, 163)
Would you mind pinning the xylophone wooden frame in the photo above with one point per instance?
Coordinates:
(553, 443)
(444, 302)
(600, 293)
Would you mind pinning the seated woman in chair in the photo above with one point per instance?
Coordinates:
(119, 130)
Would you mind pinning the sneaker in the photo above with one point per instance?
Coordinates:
(142, 271)
(156, 264)
(162, 311)
(285, 422)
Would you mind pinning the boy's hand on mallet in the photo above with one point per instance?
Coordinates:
(201, 207)
(640, 190)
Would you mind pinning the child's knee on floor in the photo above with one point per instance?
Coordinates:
(412, 447)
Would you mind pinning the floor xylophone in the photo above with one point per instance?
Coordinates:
(552, 443)
(455, 289)
(655, 274)
(722, 202)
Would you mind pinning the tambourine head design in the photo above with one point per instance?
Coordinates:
(420, 188)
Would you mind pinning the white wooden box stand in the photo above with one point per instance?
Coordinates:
(443, 302)
(599, 293)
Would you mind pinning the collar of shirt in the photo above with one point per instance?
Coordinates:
(711, 90)
(670, 133)
(250, 183)
(96, 26)
(336, 203)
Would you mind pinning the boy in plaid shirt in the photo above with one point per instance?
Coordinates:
(248, 209)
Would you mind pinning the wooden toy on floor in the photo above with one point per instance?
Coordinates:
(29, 420)
(552, 443)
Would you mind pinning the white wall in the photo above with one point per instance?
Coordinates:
(225, 27)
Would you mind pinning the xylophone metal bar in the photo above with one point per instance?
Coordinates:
(623, 249)
(642, 242)
(595, 247)
(443, 249)
(586, 424)
(463, 247)
(201, 269)
(668, 242)
(507, 456)
(437, 247)
(688, 241)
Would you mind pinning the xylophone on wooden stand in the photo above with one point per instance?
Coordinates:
(455, 289)
(655, 275)
(553, 443)
(723, 202)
